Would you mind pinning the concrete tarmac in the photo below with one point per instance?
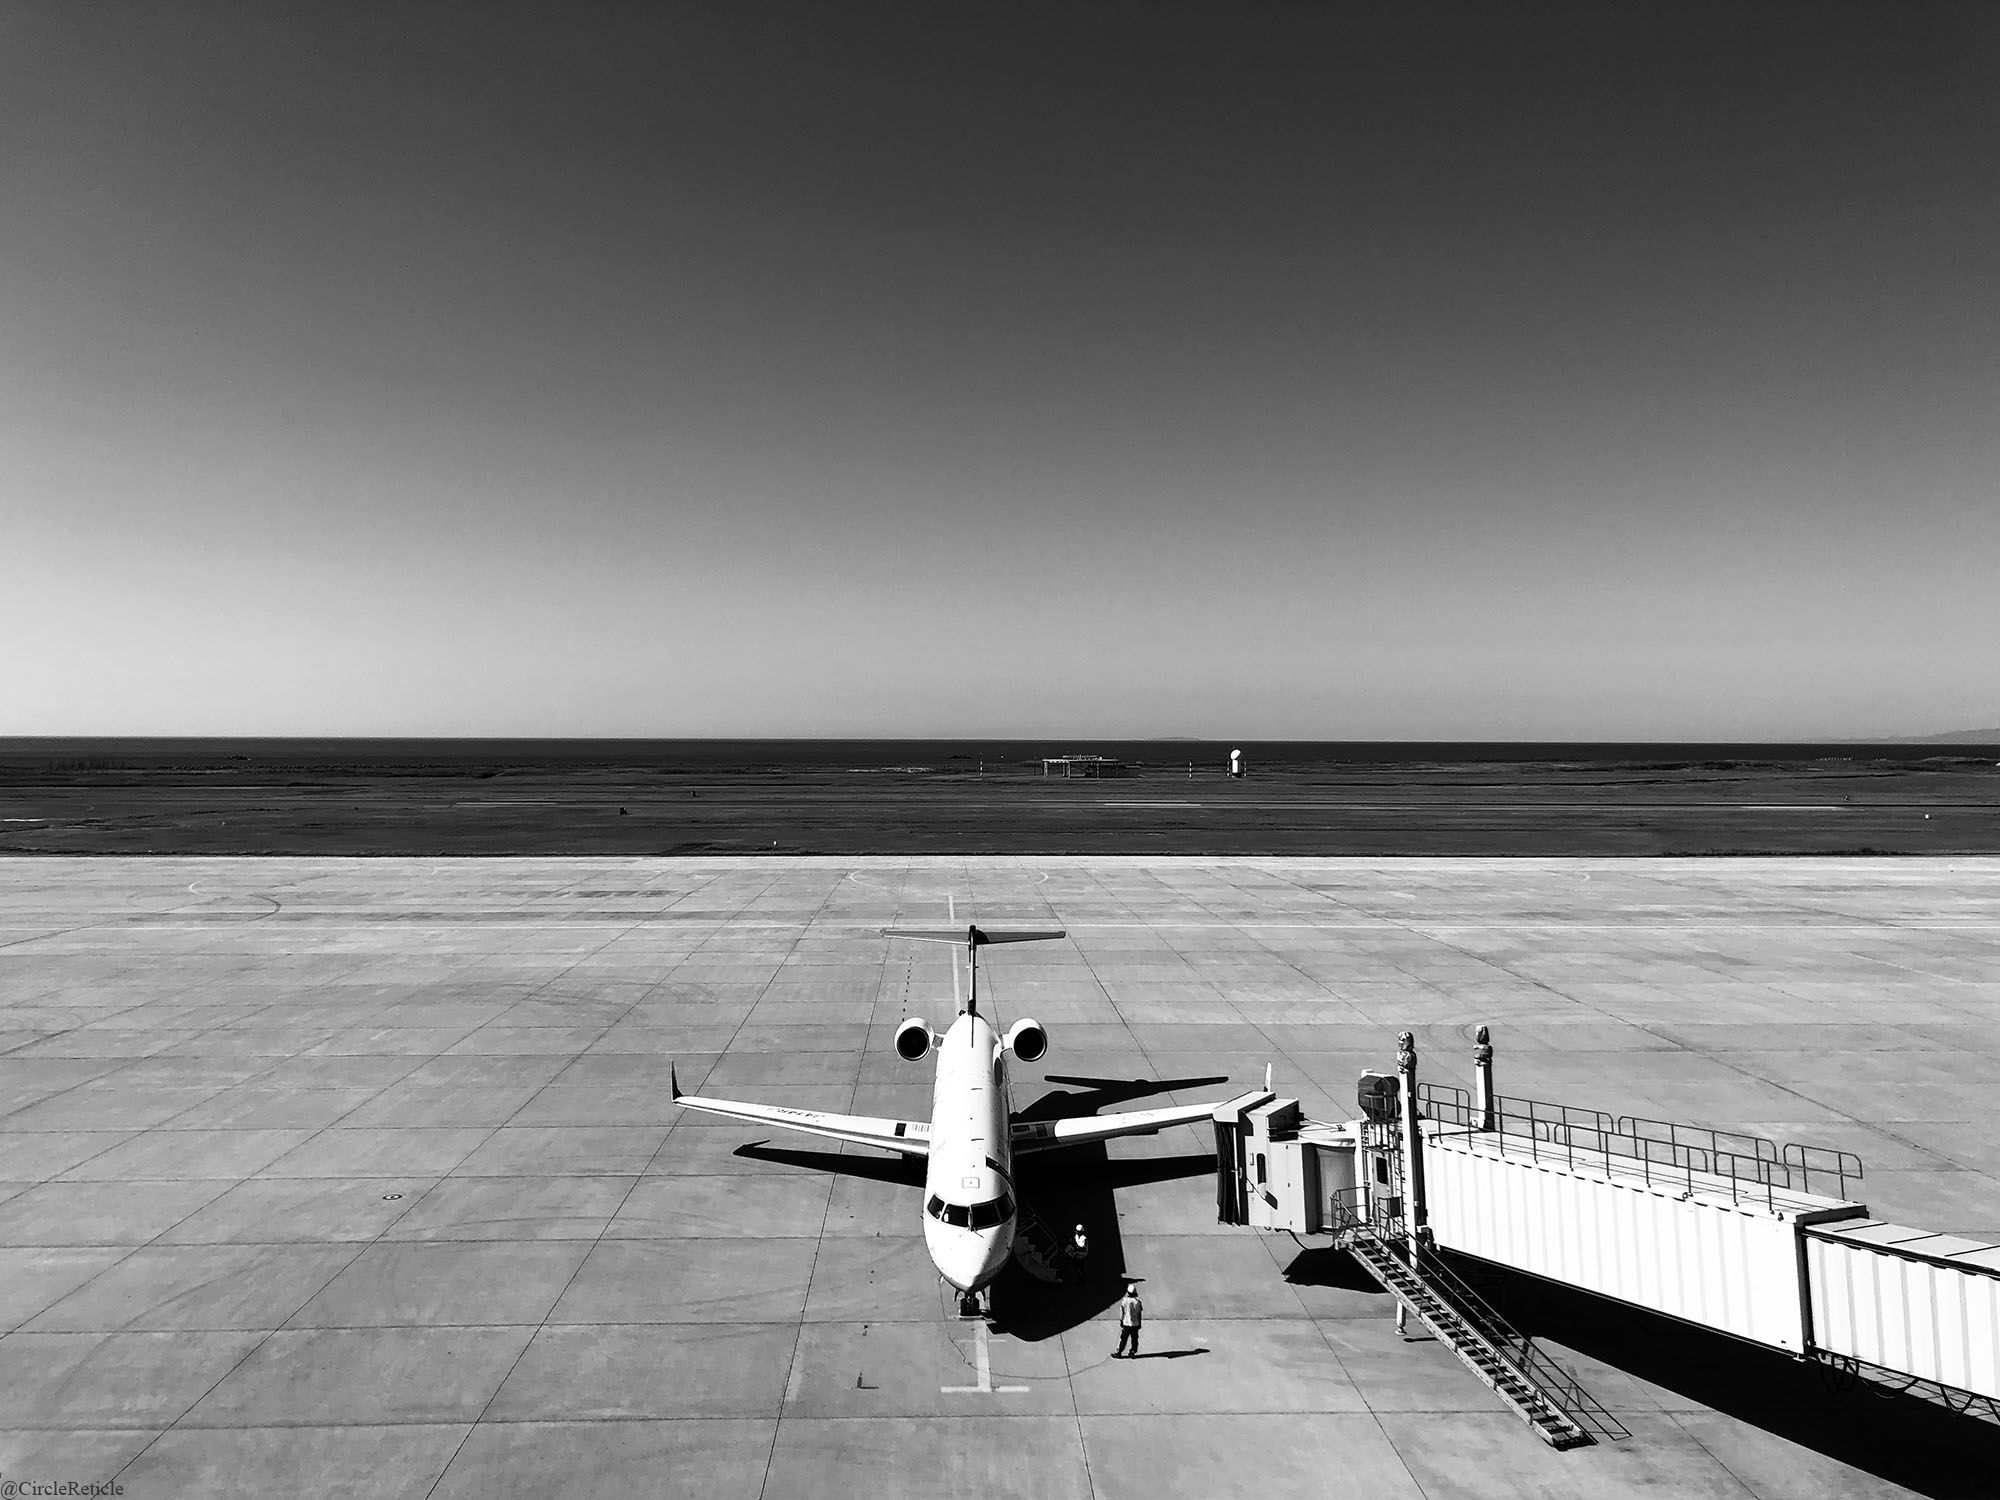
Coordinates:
(359, 1176)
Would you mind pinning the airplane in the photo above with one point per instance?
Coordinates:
(971, 1138)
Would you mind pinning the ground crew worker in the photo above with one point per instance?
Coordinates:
(1079, 1252)
(1130, 1312)
(1402, 1317)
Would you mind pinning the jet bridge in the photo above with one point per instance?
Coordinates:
(1907, 1307)
(1730, 1232)
(1277, 1170)
(1691, 1223)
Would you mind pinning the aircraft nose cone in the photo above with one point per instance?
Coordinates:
(966, 1258)
(994, 1246)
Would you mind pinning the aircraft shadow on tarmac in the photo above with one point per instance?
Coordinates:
(908, 1170)
(1063, 1188)
(1900, 1438)
(1077, 1185)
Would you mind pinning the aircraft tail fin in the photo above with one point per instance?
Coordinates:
(974, 938)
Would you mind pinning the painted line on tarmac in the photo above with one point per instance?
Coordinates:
(982, 1359)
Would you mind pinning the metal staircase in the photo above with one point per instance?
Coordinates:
(1546, 1396)
(1041, 1253)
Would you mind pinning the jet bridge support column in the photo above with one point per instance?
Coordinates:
(1482, 1082)
(1415, 1217)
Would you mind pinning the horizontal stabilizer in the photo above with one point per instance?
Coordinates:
(978, 937)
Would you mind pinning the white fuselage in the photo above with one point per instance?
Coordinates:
(969, 1183)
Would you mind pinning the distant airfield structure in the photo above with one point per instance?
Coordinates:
(1088, 766)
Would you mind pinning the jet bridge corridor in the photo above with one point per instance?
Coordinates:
(1731, 1233)
(1673, 1219)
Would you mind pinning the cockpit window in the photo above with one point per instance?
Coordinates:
(985, 1215)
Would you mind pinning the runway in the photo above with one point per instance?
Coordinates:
(359, 1176)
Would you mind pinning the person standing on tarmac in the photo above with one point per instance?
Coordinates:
(1079, 1253)
(1130, 1312)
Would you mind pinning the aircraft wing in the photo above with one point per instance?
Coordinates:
(911, 1137)
(1045, 1135)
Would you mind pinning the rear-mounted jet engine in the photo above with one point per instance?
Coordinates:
(1026, 1040)
(914, 1039)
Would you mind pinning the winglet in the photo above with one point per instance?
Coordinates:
(1267, 1078)
(674, 1082)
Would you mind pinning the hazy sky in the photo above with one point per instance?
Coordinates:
(1595, 371)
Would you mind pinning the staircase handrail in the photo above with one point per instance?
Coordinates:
(1563, 1390)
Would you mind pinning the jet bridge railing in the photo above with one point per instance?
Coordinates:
(1820, 1162)
(1661, 1152)
(1807, 1169)
(1455, 1102)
